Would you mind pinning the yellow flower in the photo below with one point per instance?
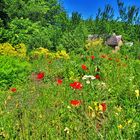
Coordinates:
(128, 121)
(134, 124)
(120, 126)
(40, 116)
(90, 108)
(100, 107)
(137, 93)
(91, 112)
(118, 108)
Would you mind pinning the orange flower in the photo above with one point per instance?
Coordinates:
(109, 58)
(13, 89)
(103, 56)
(117, 60)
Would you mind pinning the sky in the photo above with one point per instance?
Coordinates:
(90, 7)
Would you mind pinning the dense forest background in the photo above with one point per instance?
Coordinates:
(45, 23)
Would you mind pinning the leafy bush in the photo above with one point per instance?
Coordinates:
(13, 71)
(32, 34)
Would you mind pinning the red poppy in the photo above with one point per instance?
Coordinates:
(84, 67)
(13, 89)
(59, 81)
(75, 102)
(92, 57)
(40, 75)
(97, 76)
(103, 107)
(76, 85)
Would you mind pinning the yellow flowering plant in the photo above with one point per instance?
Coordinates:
(93, 43)
(18, 50)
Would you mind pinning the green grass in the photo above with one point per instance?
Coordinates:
(42, 110)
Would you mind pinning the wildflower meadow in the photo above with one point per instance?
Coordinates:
(60, 82)
(83, 97)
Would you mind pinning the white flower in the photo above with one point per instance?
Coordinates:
(84, 77)
(88, 82)
(93, 77)
(88, 77)
(66, 130)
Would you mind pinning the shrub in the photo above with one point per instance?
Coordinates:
(32, 34)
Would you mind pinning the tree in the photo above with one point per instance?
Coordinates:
(90, 25)
(4, 18)
(128, 14)
(76, 18)
(105, 15)
(103, 18)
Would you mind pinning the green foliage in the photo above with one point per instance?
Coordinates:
(75, 39)
(13, 71)
(106, 14)
(32, 34)
(129, 14)
(34, 10)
